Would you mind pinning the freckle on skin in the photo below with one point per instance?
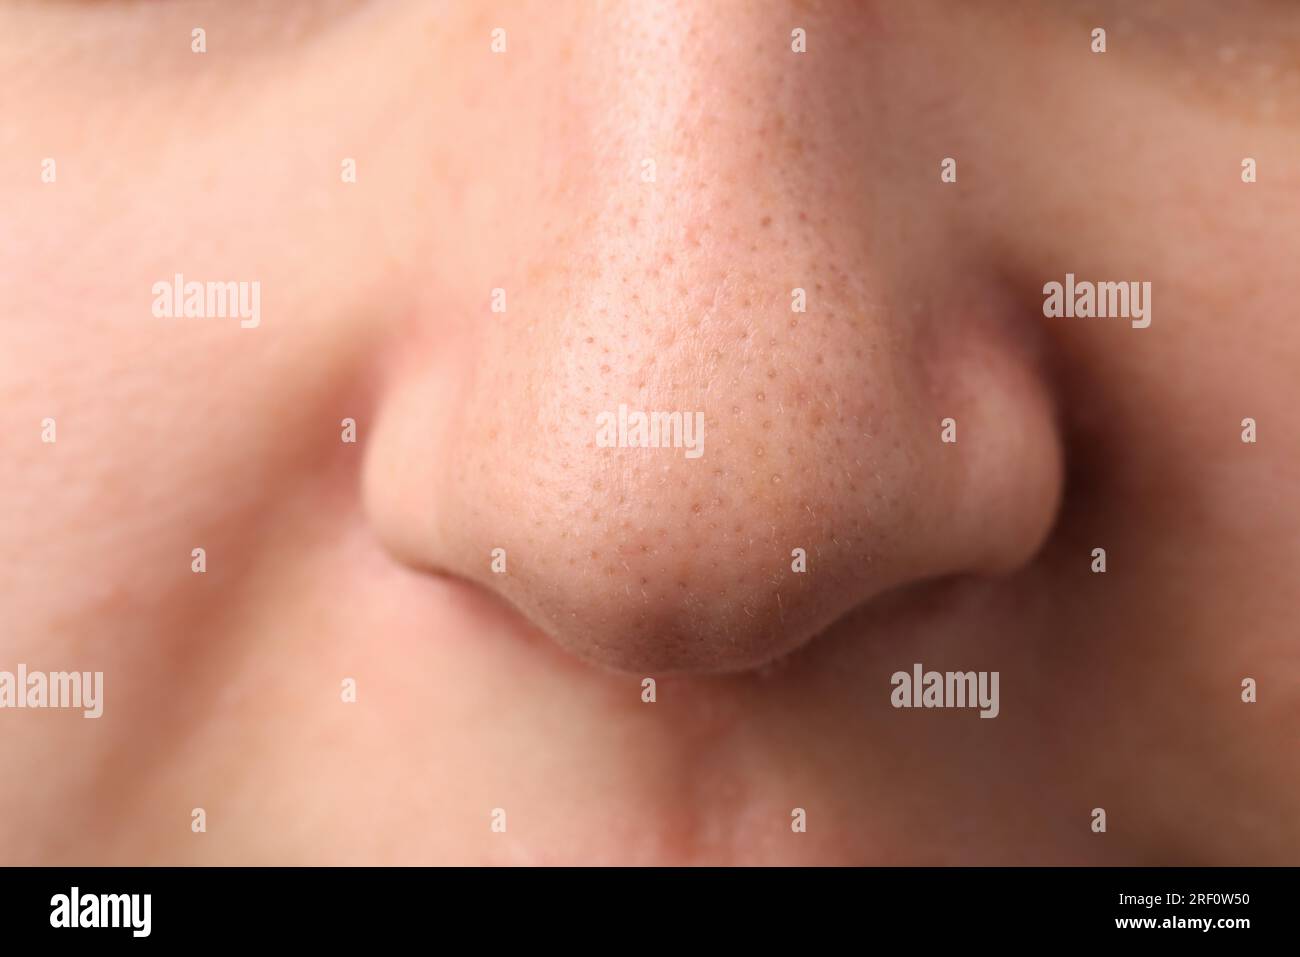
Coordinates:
(766, 221)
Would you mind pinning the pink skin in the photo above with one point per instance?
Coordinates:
(476, 430)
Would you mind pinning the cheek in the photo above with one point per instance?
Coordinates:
(171, 432)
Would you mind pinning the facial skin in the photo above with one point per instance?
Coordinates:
(476, 430)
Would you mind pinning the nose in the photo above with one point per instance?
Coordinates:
(730, 397)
